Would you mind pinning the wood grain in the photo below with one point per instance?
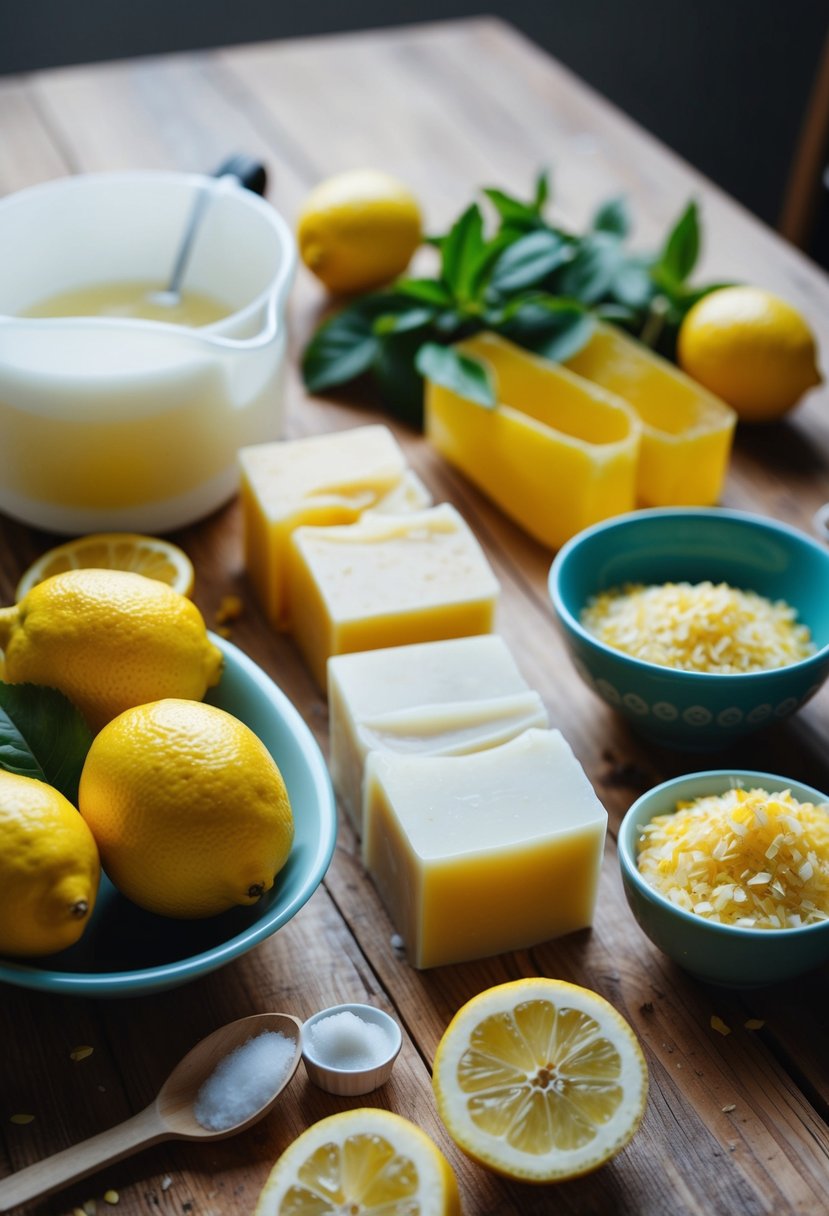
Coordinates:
(735, 1123)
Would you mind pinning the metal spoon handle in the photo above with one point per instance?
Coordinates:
(44, 1177)
(250, 173)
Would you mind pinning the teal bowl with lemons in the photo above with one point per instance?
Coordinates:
(127, 951)
(694, 710)
(723, 954)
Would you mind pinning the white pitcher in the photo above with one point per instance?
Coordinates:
(109, 423)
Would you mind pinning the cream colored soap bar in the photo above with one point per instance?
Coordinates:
(437, 698)
(325, 479)
(475, 855)
(409, 494)
(388, 580)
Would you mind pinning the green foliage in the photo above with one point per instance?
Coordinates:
(528, 280)
(42, 736)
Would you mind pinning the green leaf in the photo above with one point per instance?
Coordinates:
(462, 250)
(613, 217)
(397, 378)
(341, 349)
(401, 322)
(681, 250)
(519, 216)
(461, 374)
(633, 285)
(427, 291)
(553, 327)
(42, 736)
(542, 190)
(528, 261)
(588, 276)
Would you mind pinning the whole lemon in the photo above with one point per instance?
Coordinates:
(358, 230)
(188, 808)
(750, 348)
(108, 639)
(49, 868)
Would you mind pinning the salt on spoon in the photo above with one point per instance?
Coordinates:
(170, 1117)
(243, 1081)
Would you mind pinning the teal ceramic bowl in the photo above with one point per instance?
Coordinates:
(685, 709)
(126, 951)
(718, 954)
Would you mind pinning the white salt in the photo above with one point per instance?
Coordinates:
(344, 1040)
(244, 1081)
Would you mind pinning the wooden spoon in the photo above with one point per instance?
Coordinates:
(170, 1117)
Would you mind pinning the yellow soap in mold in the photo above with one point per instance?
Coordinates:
(324, 479)
(686, 431)
(479, 854)
(434, 698)
(556, 454)
(388, 580)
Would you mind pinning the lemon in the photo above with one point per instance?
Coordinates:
(148, 555)
(361, 1161)
(108, 639)
(188, 808)
(752, 349)
(358, 230)
(49, 868)
(540, 1080)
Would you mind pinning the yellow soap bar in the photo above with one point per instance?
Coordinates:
(437, 698)
(556, 454)
(388, 580)
(325, 479)
(475, 855)
(686, 431)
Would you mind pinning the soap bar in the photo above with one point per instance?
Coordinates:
(556, 454)
(388, 580)
(686, 431)
(325, 479)
(409, 494)
(436, 698)
(478, 854)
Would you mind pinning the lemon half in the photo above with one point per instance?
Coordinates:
(147, 555)
(364, 1161)
(540, 1080)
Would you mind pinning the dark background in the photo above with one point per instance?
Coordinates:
(725, 83)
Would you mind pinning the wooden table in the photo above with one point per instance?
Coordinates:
(736, 1123)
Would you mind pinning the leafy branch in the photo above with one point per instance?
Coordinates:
(532, 282)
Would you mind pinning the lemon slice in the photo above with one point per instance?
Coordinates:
(147, 555)
(364, 1161)
(540, 1080)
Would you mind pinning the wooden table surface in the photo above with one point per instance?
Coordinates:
(734, 1124)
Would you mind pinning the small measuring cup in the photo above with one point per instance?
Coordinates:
(112, 423)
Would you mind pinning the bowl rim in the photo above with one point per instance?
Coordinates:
(632, 518)
(274, 297)
(726, 777)
(165, 975)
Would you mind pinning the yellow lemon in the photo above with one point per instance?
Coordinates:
(540, 1080)
(147, 555)
(752, 349)
(358, 230)
(364, 1160)
(108, 639)
(188, 808)
(49, 868)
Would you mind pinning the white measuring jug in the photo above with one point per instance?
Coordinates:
(109, 423)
